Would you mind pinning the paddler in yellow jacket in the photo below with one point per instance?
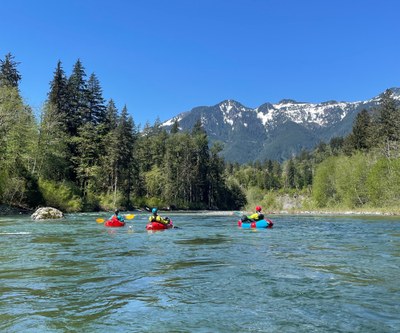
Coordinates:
(157, 218)
(257, 216)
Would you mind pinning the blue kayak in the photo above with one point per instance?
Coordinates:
(266, 223)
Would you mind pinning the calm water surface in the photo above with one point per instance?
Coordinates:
(308, 274)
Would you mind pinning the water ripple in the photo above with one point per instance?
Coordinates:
(308, 274)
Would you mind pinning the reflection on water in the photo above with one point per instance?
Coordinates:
(217, 239)
(308, 274)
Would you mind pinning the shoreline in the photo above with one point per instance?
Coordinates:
(337, 213)
(8, 211)
(289, 212)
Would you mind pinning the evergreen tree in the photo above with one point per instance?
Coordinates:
(54, 153)
(111, 116)
(335, 144)
(362, 131)
(127, 169)
(217, 189)
(17, 148)
(175, 127)
(9, 75)
(58, 95)
(290, 174)
(78, 104)
(87, 147)
(108, 160)
(388, 125)
(96, 110)
(201, 164)
(174, 155)
(53, 160)
(389, 118)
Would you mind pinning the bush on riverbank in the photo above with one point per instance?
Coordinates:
(62, 196)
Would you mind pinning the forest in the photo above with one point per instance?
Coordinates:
(80, 153)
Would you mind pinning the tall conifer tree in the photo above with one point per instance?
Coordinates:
(77, 92)
(58, 95)
(96, 112)
(9, 75)
(362, 131)
(389, 117)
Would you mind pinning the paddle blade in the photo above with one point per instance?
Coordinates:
(99, 220)
(129, 216)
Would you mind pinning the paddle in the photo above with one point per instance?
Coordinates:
(240, 214)
(127, 217)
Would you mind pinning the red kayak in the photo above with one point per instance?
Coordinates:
(114, 223)
(159, 226)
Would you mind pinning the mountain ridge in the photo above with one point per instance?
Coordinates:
(273, 131)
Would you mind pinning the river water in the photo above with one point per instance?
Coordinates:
(307, 274)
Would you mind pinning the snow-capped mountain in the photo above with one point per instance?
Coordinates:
(274, 131)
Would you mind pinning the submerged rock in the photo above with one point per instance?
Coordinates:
(47, 213)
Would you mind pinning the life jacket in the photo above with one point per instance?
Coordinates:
(154, 218)
(257, 216)
(117, 218)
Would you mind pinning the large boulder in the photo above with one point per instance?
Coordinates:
(47, 213)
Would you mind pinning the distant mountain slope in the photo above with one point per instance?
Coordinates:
(274, 131)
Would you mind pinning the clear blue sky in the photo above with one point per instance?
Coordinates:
(163, 57)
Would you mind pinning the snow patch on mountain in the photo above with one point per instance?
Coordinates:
(171, 121)
(265, 117)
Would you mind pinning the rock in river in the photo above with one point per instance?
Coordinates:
(46, 213)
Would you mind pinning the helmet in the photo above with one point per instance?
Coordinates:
(154, 210)
(117, 212)
(258, 209)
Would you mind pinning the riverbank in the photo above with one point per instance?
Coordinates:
(336, 213)
(10, 210)
(299, 212)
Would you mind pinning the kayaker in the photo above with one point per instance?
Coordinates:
(157, 218)
(117, 217)
(257, 216)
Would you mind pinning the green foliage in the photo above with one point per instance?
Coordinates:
(17, 128)
(324, 192)
(255, 195)
(3, 181)
(154, 182)
(357, 181)
(237, 195)
(268, 200)
(154, 202)
(63, 196)
(52, 160)
(109, 201)
(350, 179)
(388, 120)
(19, 188)
(383, 183)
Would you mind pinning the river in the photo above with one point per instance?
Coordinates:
(307, 274)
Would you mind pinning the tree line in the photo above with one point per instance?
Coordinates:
(82, 154)
(360, 170)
